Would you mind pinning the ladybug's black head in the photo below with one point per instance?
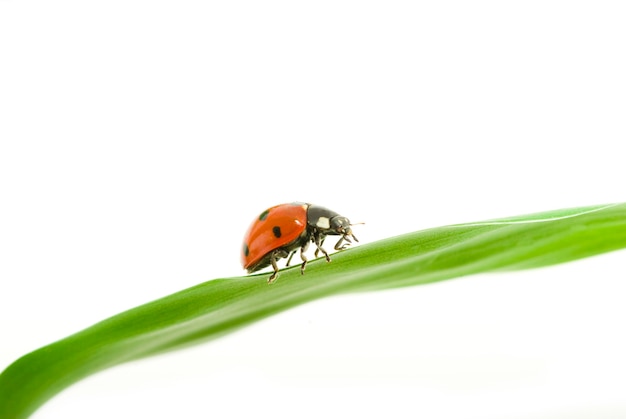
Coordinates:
(340, 225)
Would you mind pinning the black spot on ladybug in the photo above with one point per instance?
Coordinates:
(263, 215)
(276, 231)
(246, 250)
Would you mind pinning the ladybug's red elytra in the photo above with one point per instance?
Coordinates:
(278, 232)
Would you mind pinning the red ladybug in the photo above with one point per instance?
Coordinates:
(280, 231)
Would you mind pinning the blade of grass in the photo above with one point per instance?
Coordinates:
(219, 306)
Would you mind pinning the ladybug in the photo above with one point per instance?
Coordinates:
(278, 232)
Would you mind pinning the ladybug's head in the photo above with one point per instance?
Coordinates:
(340, 225)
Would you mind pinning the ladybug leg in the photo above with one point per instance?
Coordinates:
(338, 246)
(317, 251)
(290, 256)
(318, 242)
(272, 277)
(274, 256)
(304, 259)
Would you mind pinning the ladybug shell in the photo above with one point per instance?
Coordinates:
(276, 227)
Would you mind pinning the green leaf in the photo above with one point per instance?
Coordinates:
(222, 305)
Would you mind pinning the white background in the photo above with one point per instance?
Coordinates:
(139, 139)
